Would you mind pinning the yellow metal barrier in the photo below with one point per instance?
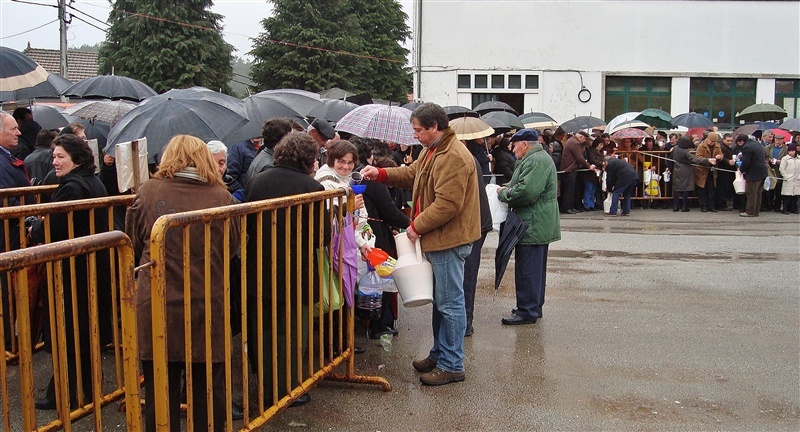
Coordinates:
(25, 195)
(657, 161)
(14, 236)
(59, 257)
(330, 332)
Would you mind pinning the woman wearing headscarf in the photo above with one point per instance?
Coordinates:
(187, 179)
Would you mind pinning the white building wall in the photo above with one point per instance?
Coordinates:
(599, 38)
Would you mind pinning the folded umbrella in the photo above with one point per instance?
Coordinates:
(511, 233)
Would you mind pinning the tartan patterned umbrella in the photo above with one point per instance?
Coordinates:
(383, 122)
(629, 133)
(106, 111)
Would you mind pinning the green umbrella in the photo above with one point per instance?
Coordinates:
(762, 112)
(656, 118)
(506, 117)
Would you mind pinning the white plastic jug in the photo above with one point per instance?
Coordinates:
(607, 204)
(412, 274)
(739, 183)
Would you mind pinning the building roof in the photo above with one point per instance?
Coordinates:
(80, 64)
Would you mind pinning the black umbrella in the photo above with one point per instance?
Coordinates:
(48, 116)
(510, 119)
(581, 123)
(332, 110)
(490, 106)
(512, 232)
(51, 89)
(762, 112)
(413, 105)
(692, 120)
(499, 126)
(456, 111)
(299, 100)
(110, 87)
(260, 108)
(535, 114)
(196, 111)
(18, 71)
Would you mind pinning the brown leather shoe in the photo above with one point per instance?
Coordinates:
(425, 365)
(438, 377)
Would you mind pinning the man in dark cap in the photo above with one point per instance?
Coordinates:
(324, 134)
(531, 193)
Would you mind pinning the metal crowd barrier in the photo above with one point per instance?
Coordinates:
(13, 225)
(21, 195)
(654, 160)
(62, 258)
(330, 333)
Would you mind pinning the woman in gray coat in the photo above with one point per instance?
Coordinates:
(683, 175)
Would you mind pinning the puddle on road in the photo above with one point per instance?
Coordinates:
(660, 256)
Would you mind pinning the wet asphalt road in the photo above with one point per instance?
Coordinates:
(658, 321)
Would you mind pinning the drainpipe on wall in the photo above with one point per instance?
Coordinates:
(418, 49)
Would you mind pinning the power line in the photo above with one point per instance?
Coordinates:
(90, 16)
(88, 23)
(28, 31)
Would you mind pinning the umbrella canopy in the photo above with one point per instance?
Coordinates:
(762, 112)
(785, 134)
(468, 128)
(332, 110)
(260, 108)
(18, 71)
(581, 123)
(523, 116)
(749, 129)
(791, 125)
(537, 121)
(629, 124)
(499, 126)
(299, 100)
(489, 106)
(629, 133)
(513, 231)
(196, 111)
(696, 132)
(382, 122)
(412, 105)
(110, 87)
(656, 118)
(622, 118)
(48, 116)
(456, 111)
(692, 120)
(107, 111)
(93, 129)
(51, 88)
(510, 119)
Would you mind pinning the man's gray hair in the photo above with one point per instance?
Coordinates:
(767, 133)
(607, 159)
(4, 114)
(217, 147)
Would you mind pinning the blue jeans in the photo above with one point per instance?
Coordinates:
(530, 277)
(449, 319)
(589, 189)
(626, 190)
(471, 267)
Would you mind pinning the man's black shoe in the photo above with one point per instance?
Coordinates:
(302, 400)
(358, 350)
(515, 319)
(571, 211)
(45, 404)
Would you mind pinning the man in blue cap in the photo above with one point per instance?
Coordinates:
(532, 196)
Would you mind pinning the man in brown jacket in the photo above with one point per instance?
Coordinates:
(571, 161)
(704, 178)
(446, 220)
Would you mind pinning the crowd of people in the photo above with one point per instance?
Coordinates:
(434, 192)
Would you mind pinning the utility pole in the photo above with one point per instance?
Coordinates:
(62, 21)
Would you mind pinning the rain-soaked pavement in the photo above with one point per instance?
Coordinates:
(658, 321)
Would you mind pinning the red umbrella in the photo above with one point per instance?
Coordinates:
(696, 131)
(784, 133)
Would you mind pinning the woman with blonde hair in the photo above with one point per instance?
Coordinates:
(187, 179)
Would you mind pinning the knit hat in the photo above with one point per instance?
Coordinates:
(791, 147)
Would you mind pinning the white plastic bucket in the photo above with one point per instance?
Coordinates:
(412, 274)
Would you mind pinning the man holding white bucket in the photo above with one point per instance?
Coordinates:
(446, 220)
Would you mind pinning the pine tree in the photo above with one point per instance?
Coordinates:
(167, 44)
(318, 44)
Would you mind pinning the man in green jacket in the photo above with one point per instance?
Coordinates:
(446, 220)
(531, 194)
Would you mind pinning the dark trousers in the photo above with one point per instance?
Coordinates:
(724, 189)
(568, 190)
(752, 191)
(198, 400)
(530, 276)
(790, 204)
(680, 200)
(72, 374)
(739, 202)
(471, 266)
(705, 194)
(772, 198)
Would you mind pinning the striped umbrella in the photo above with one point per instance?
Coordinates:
(18, 71)
(468, 128)
(382, 122)
(629, 133)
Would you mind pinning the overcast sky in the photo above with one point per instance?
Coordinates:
(241, 22)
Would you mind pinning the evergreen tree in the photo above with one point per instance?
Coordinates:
(318, 44)
(167, 44)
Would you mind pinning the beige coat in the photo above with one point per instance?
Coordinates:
(790, 171)
(154, 199)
